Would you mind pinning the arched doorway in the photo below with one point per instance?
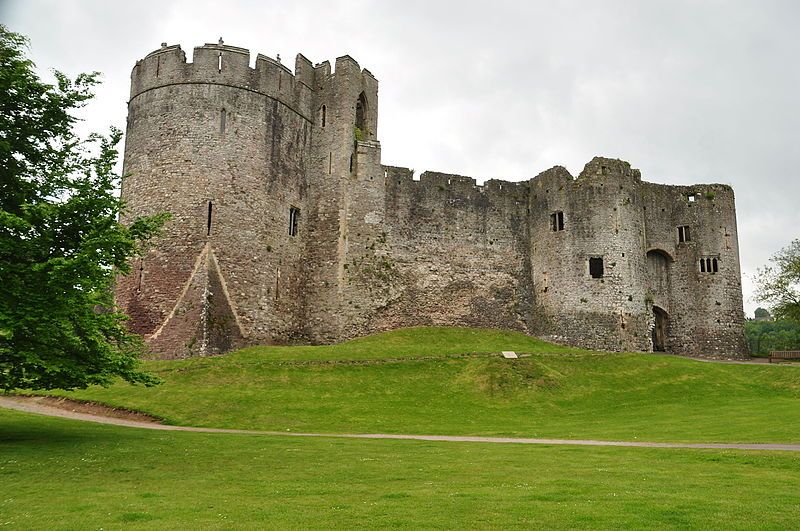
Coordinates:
(660, 329)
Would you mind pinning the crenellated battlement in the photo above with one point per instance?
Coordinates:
(226, 65)
(437, 182)
(221, 64)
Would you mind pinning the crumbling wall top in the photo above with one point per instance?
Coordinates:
(600, 167)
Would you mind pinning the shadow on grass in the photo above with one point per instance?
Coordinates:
(25, 429)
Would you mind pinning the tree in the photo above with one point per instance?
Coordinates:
(779, 284)
(762, 314)
(61, 244)
(766, 336)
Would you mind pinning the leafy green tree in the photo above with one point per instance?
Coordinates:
(779, 284)
(61, 244)
(766, 336)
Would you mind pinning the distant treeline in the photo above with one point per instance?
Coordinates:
(766, 336)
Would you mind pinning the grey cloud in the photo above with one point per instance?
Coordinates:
(688, 91)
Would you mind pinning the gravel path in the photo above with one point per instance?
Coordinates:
(38, 406)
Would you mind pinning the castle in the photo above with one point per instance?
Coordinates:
(287, 228)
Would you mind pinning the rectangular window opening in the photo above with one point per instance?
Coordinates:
(702, 266)
(294, 219)
(715, 265)
(557, 221)
(324, 112)
(208, 220)
(596, 267)
(219, 63)
(683, 234)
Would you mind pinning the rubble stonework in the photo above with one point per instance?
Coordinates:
(287, 228)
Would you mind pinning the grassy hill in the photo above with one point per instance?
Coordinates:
(451, 381)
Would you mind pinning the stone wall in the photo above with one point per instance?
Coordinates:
(705, 308)
(602, 221)
(435, 251)
(601, 260)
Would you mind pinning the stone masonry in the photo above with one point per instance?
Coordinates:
(287, 228)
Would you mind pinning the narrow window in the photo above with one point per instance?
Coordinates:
(709, 265)
(683, 234)
(557, 221)
(294, 218)
(324, 112)
(208, 221)
(596, 267)
(691, 197)
(351, 163)
(330, 162)
(219, 63)
(141, 273)
(361, 112)
(223, 115)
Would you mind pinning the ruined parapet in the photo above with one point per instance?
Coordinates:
(459, 250)
(600, 169)
(222, 64)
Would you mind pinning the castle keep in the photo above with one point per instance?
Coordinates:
(287, 228)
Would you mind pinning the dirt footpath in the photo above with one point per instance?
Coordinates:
(70, 409)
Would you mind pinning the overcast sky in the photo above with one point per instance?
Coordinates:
(689, 92)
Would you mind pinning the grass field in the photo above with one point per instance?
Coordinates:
(60, 474)
(413, 381)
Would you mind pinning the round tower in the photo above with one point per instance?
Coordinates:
(223, 148)
(588, 256)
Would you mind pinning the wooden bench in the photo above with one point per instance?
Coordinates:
(784, 355)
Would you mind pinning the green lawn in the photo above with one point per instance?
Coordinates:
(60, 474)
(418, 381)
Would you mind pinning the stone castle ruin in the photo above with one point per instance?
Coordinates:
(287, 228)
